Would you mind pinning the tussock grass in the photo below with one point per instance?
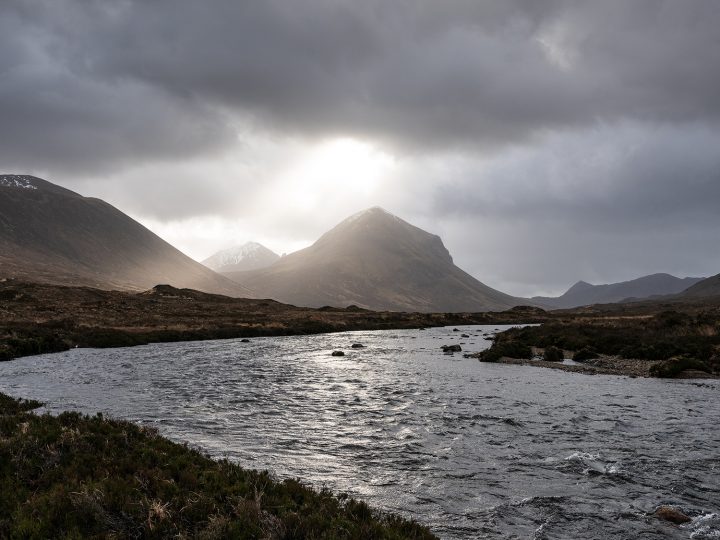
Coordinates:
(675, 366)
(684, 341)
(74, 476)
(508, 348)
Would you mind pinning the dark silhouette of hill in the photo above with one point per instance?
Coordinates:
(585, 294)
(53, 235)
(705, 288)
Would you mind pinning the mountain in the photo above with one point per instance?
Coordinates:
(249, 256)
(706, 287)
(585, 294)
(53, 235)
(375, 260)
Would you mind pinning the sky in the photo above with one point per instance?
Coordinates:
(545, 141)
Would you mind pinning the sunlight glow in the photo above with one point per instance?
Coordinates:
(340, 168)
(306, 190)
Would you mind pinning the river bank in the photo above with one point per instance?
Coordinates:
(669, 344)
(625, 367)
(80, 476)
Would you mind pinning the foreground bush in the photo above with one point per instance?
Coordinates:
(74, 476)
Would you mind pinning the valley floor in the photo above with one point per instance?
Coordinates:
(643, 339)
(40, 318)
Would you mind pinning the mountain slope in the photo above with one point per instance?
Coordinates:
(377, 261)
(584, 294)
(706, 287)
(51, 234)
(249, 256)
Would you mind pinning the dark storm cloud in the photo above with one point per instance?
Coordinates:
(608, 176)
(605, 204)
(576, 139)
(56, 116)
(138, 79)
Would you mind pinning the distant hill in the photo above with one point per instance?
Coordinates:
(249, 256)
(584, 294)
(53, 235)
(375, 260)
(706, 287)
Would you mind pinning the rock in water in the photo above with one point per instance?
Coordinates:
(451, 348)
(338, 353)
(673, 515)
(358, 346)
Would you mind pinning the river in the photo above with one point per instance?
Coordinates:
(473, 450)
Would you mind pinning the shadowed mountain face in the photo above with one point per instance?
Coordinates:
(249, 256)
(706, 287)
(53, 235)
(377, 261)
(584, 294)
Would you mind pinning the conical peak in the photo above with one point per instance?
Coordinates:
(371, 213)
(375, 219)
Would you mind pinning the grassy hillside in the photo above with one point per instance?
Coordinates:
(53, 235)
(74, 476)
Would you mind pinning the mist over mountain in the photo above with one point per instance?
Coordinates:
(583, 293)
(51, 234)
(375, 260)
(248, 256)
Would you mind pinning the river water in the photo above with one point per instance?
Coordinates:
(473, 450)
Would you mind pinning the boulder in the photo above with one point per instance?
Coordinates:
(244, 340)
(673, 515)
(338, 353)
(451, 348)
(357, 346)
(553, 354)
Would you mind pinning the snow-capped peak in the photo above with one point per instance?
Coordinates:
(17, 181)
(250, 255)
(236, 254)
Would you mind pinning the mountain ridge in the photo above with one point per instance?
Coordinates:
(644, 287)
